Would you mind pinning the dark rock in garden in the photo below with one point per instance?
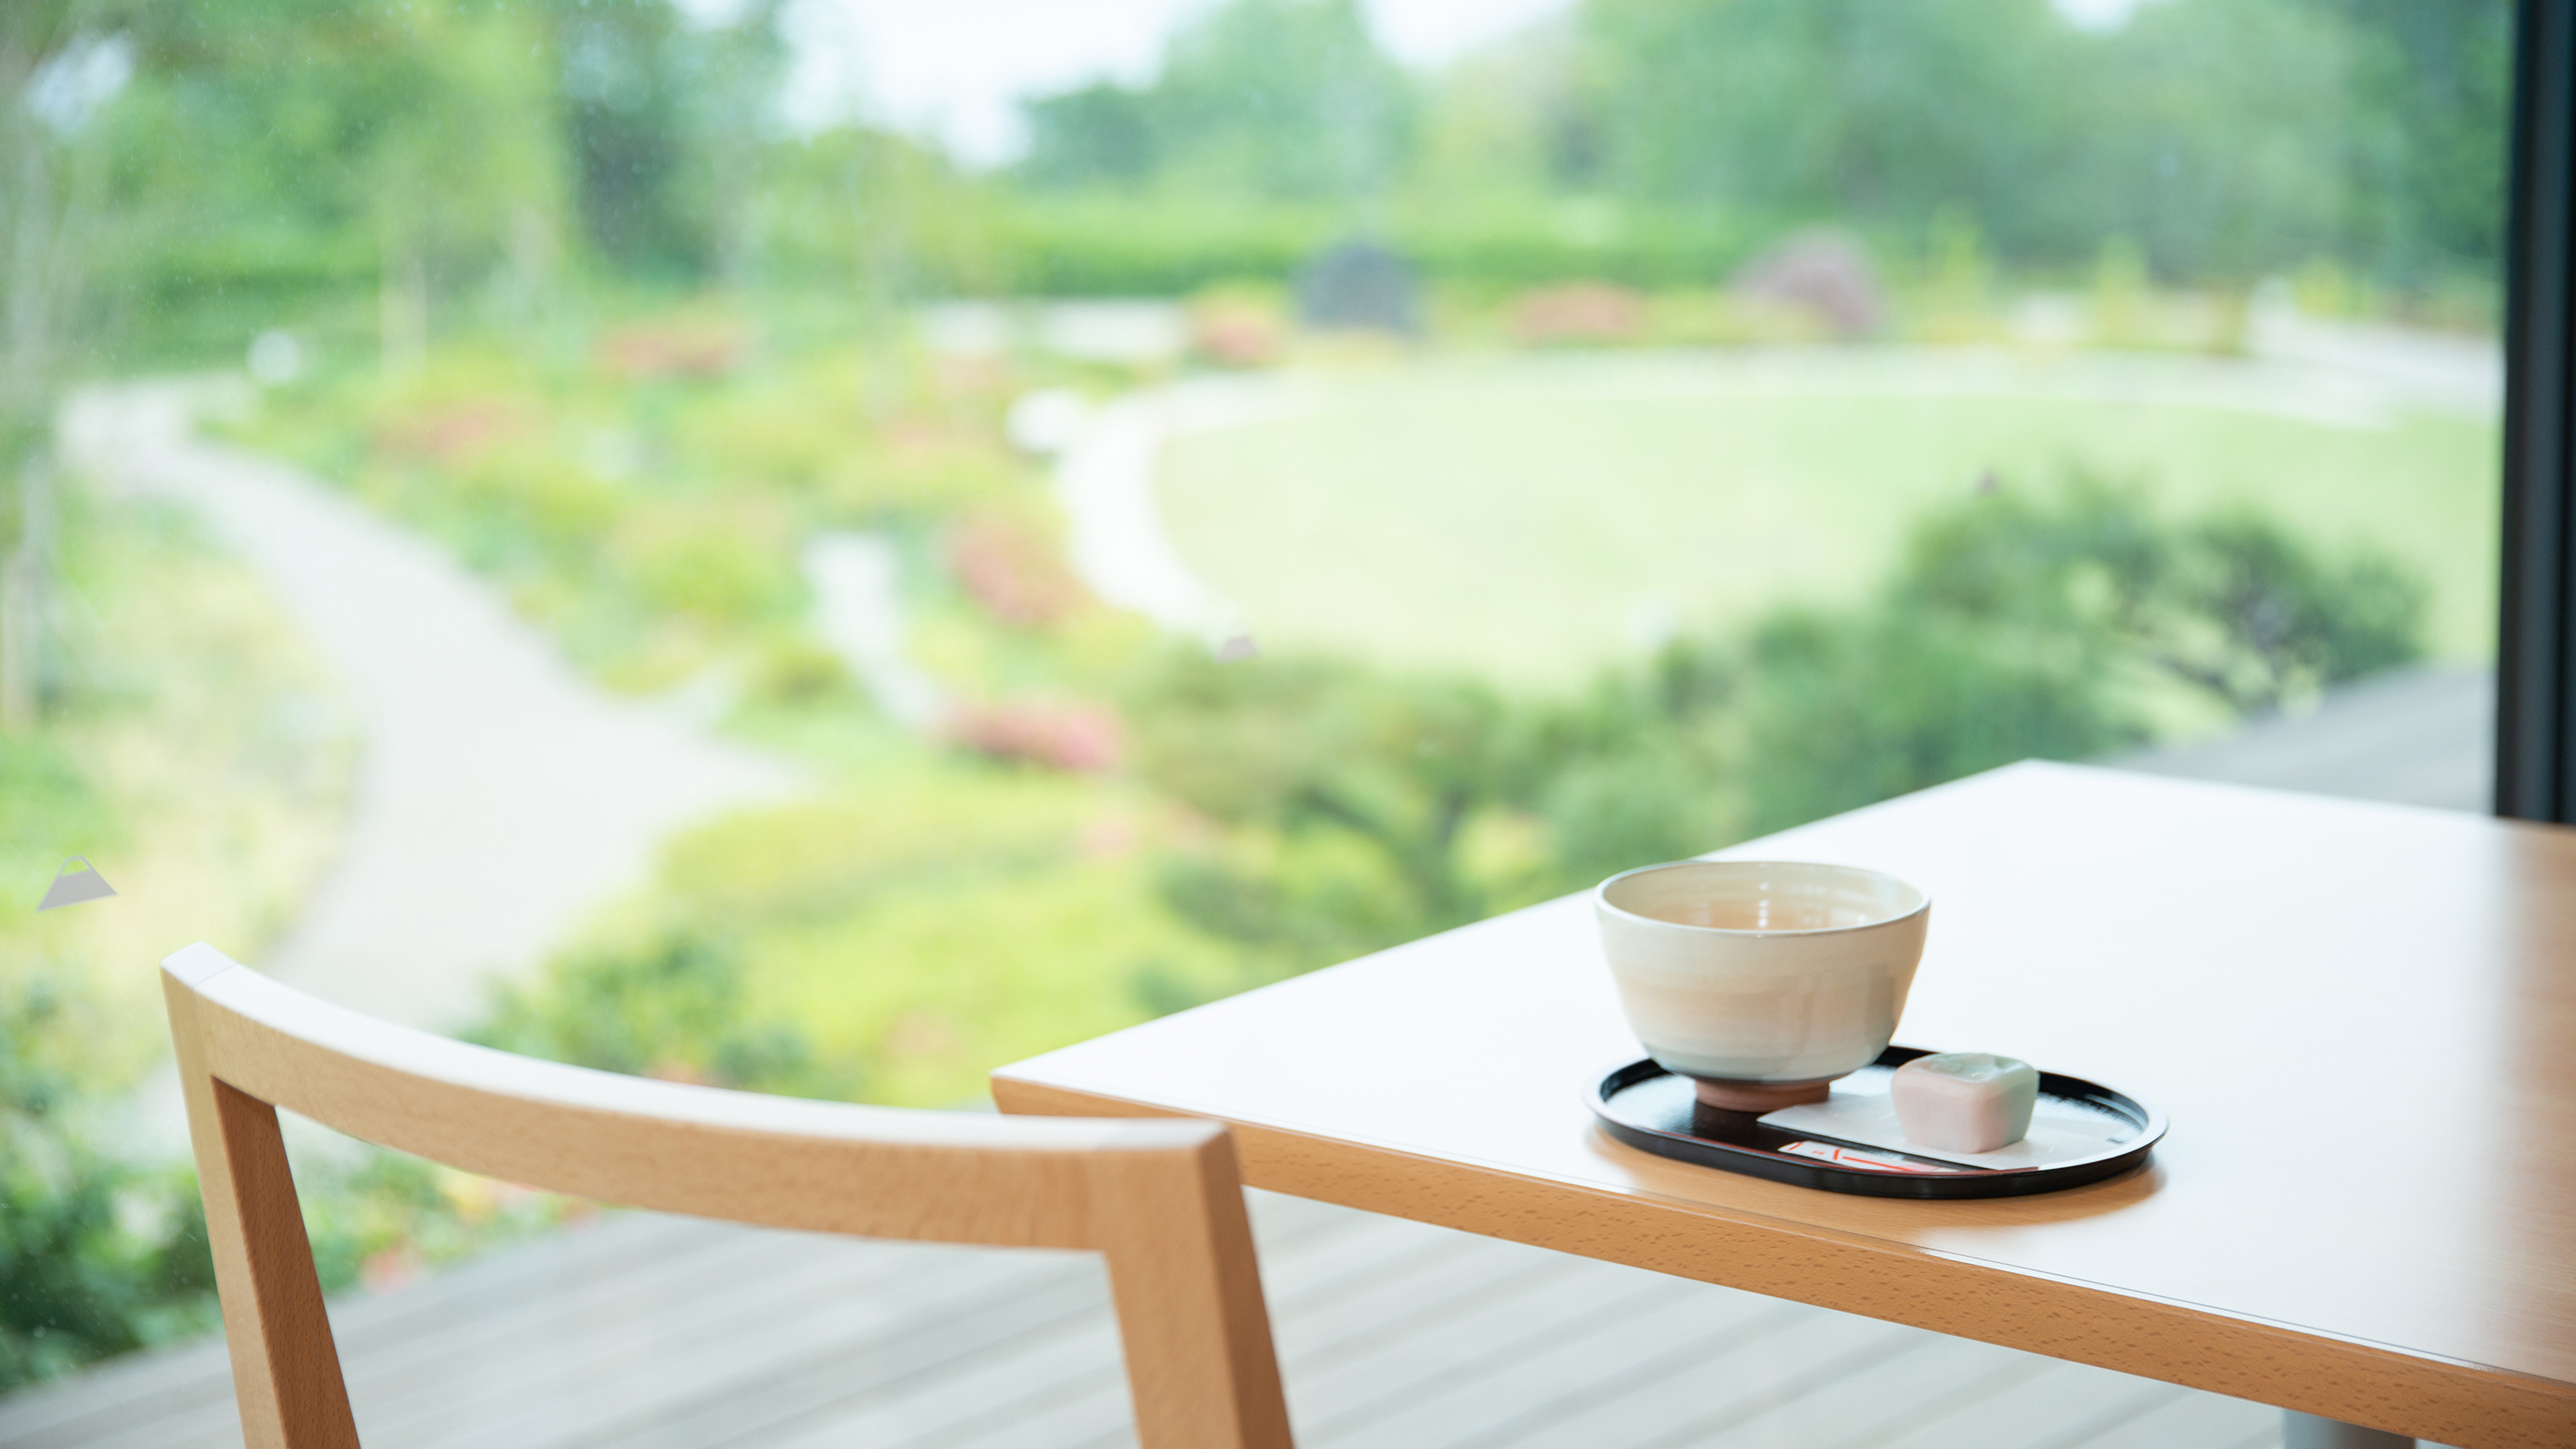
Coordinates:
(1358, 286)
(1821, 273)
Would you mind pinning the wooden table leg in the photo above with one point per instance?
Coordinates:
(2307, 1431)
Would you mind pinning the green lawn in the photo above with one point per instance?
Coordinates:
(1529, 525)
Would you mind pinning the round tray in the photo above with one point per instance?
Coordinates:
(1647, 1107)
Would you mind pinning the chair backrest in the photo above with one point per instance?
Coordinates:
(1159, 1199)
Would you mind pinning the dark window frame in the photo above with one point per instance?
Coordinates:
(2535, 670)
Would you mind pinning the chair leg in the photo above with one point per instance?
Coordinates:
(2307, 1431)
(1200, 1363)
(286, 1370)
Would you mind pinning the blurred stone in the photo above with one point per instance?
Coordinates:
(1359, 286)
(965, 329)
(276, 358)
(1124, 331)
(1047, 421)
(1133, 332)
(1652, 624)
(1821, 273)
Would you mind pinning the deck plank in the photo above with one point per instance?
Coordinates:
(1846, 1409)
(1701, 1386)
(149, 1388)
(717, 1373)
(2417, 736)
(2182, 1417)
(2060, 1405)
(621, 1348)
(1557, 1365)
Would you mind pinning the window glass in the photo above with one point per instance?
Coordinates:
(830, 545)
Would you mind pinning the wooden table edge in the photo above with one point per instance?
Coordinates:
(2355, 1381)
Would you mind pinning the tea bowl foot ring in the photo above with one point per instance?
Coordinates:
(1760, 1097)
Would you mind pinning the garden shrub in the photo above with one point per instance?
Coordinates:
(1060, 734)
(2232, 604)
(1390, 770)
(1610, 812)
(813, 858)
(795, 672)
(378, 1219)
(100, 1256)
(918, 472)
(673, 1005)
(719, 565)
(1016, 572)
(562, 504)
(1287, 901)
(2019, 625)
(96, 1257)
(2028, 625)
(1850, 710)
(775, 431)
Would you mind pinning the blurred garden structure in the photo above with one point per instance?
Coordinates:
(1289, 495)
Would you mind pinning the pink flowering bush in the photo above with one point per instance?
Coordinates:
(1015, 572)
(1061, 735)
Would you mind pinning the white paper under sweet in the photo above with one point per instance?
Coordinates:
(1862, 1112)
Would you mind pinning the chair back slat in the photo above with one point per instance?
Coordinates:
(1160, 1198)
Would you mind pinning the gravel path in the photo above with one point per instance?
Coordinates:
(501, 796)
(857, 579)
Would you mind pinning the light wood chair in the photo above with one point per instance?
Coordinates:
(1159, 1199)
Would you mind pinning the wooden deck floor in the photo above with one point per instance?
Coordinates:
(2415, 737)
(661, 1333)
(648, 1332)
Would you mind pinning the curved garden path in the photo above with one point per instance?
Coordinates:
(500, 796)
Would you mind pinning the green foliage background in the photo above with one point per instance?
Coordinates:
(490, 163)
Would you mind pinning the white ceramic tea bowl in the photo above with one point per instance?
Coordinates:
(1763, 980)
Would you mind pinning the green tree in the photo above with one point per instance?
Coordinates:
(624, 96)
(1102, 134)
(458, 158)
(60, 62)
(1845, 110)
(1847, 710)
(2228, 138)
(462, 166)
(1285, 100)
(2425, 141)
(269, 157)
(2231, 604)
(2215, 135)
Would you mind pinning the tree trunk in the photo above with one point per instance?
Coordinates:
(402, 310)
(26, 592)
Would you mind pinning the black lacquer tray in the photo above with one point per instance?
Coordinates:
(1646, 1107)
